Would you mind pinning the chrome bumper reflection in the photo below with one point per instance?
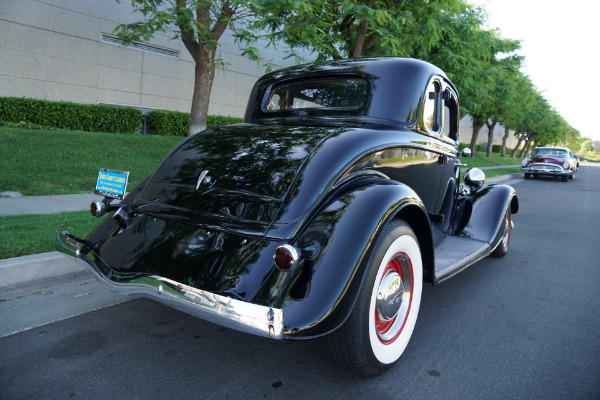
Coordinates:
(236, 314)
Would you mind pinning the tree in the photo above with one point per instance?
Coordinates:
(199, 24)
(475, 59)
(518, 86)
(489, 108)
(337, 30)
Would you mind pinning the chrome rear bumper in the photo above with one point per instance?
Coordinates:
(236, 314)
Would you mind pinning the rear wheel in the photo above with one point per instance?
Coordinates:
(502, 248)
(385, 313)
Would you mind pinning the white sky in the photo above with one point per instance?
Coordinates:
(561, 44)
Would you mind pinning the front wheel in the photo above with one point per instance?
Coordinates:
(385, 313)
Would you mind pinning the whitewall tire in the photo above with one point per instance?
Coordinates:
(385, 313)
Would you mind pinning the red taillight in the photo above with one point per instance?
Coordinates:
(97, 208)
(286, 257)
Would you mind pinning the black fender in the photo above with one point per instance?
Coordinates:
(488, 207)
(342, 237)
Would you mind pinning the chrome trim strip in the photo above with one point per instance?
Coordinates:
(236, 314)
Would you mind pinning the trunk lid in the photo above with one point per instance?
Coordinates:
(233, 177)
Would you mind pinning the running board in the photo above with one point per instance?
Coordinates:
(454, 254)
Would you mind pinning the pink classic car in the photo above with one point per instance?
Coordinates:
(550, 161)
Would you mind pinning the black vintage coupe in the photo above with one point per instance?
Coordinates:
(321, 215)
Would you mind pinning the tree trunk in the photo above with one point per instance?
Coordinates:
(504, 139)
(514, 152)
(477, 124)
(204, 76)
(200, 39)
(361, 35)
(526, 148)
(490, 145)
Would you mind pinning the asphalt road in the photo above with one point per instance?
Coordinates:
(526, 326)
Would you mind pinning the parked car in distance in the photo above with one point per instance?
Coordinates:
(321, 214)
(549, 161)
(576, 157)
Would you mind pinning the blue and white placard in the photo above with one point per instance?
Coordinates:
(112, 183)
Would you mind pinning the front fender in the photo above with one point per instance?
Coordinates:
(343, 233)
(489, 206)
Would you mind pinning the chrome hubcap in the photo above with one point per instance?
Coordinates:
(394, 296)
(389, 296)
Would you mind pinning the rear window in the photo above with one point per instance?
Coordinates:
(326, 94)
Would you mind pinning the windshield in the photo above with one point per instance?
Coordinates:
(549, 152)
(323, 93)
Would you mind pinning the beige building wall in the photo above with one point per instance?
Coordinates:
(52, 50)
(466, 132)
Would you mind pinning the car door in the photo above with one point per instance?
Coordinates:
(449, 143)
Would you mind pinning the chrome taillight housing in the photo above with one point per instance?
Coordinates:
(286, 257)
(98, 208)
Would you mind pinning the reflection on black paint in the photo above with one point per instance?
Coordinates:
(251, 167)
(256, 159)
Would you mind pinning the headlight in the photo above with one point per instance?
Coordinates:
(566, 164)
(524, 162)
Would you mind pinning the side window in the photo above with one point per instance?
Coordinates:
(450, 124)
(431, 109)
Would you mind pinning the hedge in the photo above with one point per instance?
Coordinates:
(98, 118)
(62, 114)
(496, 148)
(175, 123)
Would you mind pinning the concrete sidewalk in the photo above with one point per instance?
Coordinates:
(499, 166)
(46, 204)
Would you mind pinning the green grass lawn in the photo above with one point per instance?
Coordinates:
(57, 161)
(481, 160)
(489, 173)
(32, 234)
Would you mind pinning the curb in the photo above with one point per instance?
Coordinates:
(18, 270)
(503, 178)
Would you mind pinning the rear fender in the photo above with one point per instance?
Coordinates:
(342, 236)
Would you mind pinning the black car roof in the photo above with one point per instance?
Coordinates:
(397, 85)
